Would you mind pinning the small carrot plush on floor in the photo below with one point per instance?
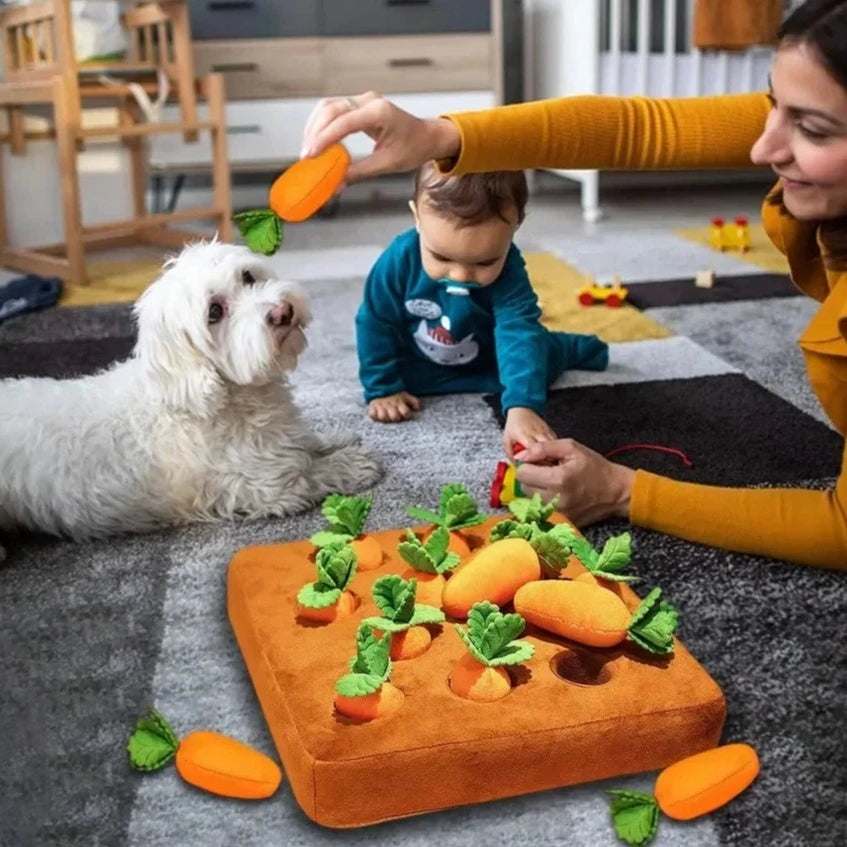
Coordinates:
(688, 789)
(430, 560)
(402, 617)
(347, 517)
(492, 573)
(208, 760)
(457, 511)
(592, 615)
(490, 638)
(328, 598)
(365, 693)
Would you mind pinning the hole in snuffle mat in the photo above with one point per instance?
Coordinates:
(581, 667)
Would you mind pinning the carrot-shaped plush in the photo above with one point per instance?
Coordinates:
(402, 617)
(551, 546)
(592, 615)
(328, 598)
(457, 510)
(347, 517)
(429, 561)
(207, 760)
(493, 573)
(365, 693)
(490, 638)
(688, 789)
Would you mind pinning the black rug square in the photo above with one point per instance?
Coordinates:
(682, 292)
(734, 431)
(62, 359)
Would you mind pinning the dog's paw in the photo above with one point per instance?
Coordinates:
(348, 470)
(336, 439)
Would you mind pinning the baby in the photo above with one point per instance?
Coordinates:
(448, 307)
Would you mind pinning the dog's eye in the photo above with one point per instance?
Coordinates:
(216, 312)
(247, 278)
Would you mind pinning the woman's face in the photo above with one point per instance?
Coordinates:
(805, 137)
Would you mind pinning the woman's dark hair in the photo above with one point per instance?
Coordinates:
(822, 26)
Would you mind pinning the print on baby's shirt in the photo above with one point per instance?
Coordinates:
(434, 338)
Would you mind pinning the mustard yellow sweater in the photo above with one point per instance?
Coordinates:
(797, 525)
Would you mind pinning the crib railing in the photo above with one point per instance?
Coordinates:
(630, 47)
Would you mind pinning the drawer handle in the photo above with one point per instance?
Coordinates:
(236, 67)
(244, 129)
(230, 5)
(421, 62)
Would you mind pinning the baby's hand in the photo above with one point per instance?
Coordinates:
(523, 426)
(394, 408)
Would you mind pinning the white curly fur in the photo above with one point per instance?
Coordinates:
(197, 425)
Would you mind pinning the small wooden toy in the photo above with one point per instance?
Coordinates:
(735, 236)
(704, 279)
(716, 236)
(612, 294)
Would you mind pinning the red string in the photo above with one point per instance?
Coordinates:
(686, 461)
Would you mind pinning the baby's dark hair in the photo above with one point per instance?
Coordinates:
(472, 198)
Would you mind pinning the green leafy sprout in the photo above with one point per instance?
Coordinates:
(153, 743)
(534, 510)
(490, 636)
(369, 668)
(430, 556)
(635, 816)
(261, 230)
(395, 598)
(610, 563)
(336, 564)
(456, 509)
(653, 624)
(346, 517)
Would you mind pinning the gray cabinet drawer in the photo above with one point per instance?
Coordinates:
(397, 17)
(253, 18)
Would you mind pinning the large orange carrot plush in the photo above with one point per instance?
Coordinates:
(490, 638)
(347, 517)
(430, 560)
(328, 598)
(402, 617)
(688, 789)
(457, 511)
(491, 573)
(207, 760)
(365, 693)
(592, 615)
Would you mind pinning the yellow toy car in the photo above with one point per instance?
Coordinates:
(612, 293)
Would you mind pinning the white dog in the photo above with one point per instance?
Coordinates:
(198, 425)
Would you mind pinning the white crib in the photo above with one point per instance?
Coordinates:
(628, 47)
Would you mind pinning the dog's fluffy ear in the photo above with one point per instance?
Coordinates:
(169, 346)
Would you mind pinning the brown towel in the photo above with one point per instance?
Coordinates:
(736, 24)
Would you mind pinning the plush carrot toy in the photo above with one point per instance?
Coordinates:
(592, 615)
(347, 517)
(430, 560)
(457, 510)
(688, 789)
(208, 760)
(328, 598)
(402, 617)
(494, 573)
(609, 564)
(490, 638)
(365, 693)
(552, 546)
(296, 194)
(530, 510)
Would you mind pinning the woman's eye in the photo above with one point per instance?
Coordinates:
(811, 133)
(216, 312)
(247, 278)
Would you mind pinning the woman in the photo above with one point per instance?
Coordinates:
(799, 129)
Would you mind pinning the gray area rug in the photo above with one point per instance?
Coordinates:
(93, 633)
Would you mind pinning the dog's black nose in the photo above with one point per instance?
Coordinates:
(281, 314)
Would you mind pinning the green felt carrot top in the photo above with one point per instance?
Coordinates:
(369, 668)
(336, 565)
(653, 624)
(534, 510)
(430, 556)
(456, 509)
(490, 636)
(395, 598)
(261, 230)
(610, 562)
(347, 517)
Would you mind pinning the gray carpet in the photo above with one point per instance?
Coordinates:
(94, 633)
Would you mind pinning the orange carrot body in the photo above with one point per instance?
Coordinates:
(380, 704)
(304, 187)
(582, 612)
(430, 586)
(706, 781)
(408, 643)
(589, 579)
(492, 573)
(368, 552)
(474, 681)
(222, 765)
(344, 606)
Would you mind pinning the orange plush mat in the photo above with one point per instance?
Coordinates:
(575, 714)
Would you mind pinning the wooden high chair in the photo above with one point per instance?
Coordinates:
(40, 68)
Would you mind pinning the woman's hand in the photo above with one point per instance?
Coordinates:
(590, 487)
(402, 141)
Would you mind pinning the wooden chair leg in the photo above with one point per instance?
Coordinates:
(69, 179)
(222, 189)
(184, 60)
(17, 138)
(128, 113)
